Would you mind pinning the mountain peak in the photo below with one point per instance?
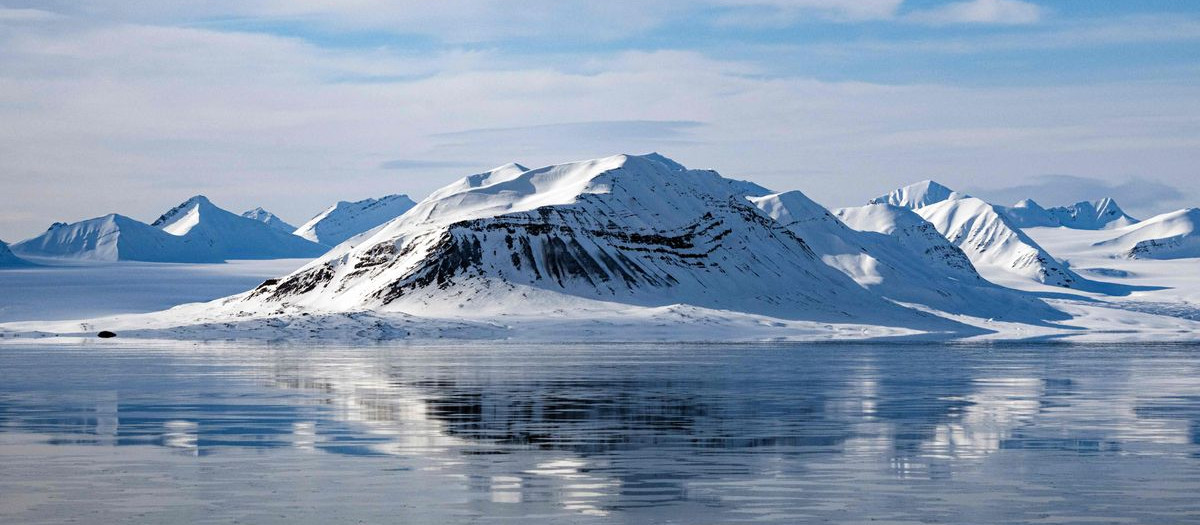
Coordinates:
(1028, 204)
(662, 159)
(918, 194)
(180, 219)
(268, 218)
(197, 199)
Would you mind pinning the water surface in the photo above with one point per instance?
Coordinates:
(156, 433)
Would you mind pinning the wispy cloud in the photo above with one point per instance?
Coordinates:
(1008, 12)
(417, 164)
(784, 12)
(600, 129)
(158, 97)
(26, 15)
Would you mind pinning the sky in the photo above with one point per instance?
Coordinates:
(133, 106)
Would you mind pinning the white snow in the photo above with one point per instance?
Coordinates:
(346, 219)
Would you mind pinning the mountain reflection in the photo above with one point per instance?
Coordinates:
(597, 430)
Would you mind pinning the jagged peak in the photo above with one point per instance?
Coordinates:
(1109, 206)
(172, 215)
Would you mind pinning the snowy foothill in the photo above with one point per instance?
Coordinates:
(641, 248)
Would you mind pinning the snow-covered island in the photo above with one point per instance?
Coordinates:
(638, 247)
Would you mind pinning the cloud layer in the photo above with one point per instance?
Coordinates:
(131, 106)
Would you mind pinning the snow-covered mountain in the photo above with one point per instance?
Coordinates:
(1029, 214)
(1084, 215)
(1097, 215)
(113, 237)
(268, 218)
(634, 230)
(347, 219)
(1171, 235)
(899, 256)
(995, 245)
(918, 195)
(9, 260)
(230, 236)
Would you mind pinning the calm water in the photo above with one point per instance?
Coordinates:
(631, 434)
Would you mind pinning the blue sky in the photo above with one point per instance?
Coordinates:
(133, 106)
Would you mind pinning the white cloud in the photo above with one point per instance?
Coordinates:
(25, 15)
(787, 11)
(1008, 12)
(104, 116)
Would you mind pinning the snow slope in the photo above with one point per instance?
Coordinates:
(113, 237)
(994, 245)
(899, 256)
(268, 218)
(918, 195)
(229, 236)
(1084, 215)
(9, 260)
(1168, 236)
(347, 219)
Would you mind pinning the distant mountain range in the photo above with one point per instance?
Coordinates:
(194, 231)
(197, 231)
(626, 237)
(1098, 215)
